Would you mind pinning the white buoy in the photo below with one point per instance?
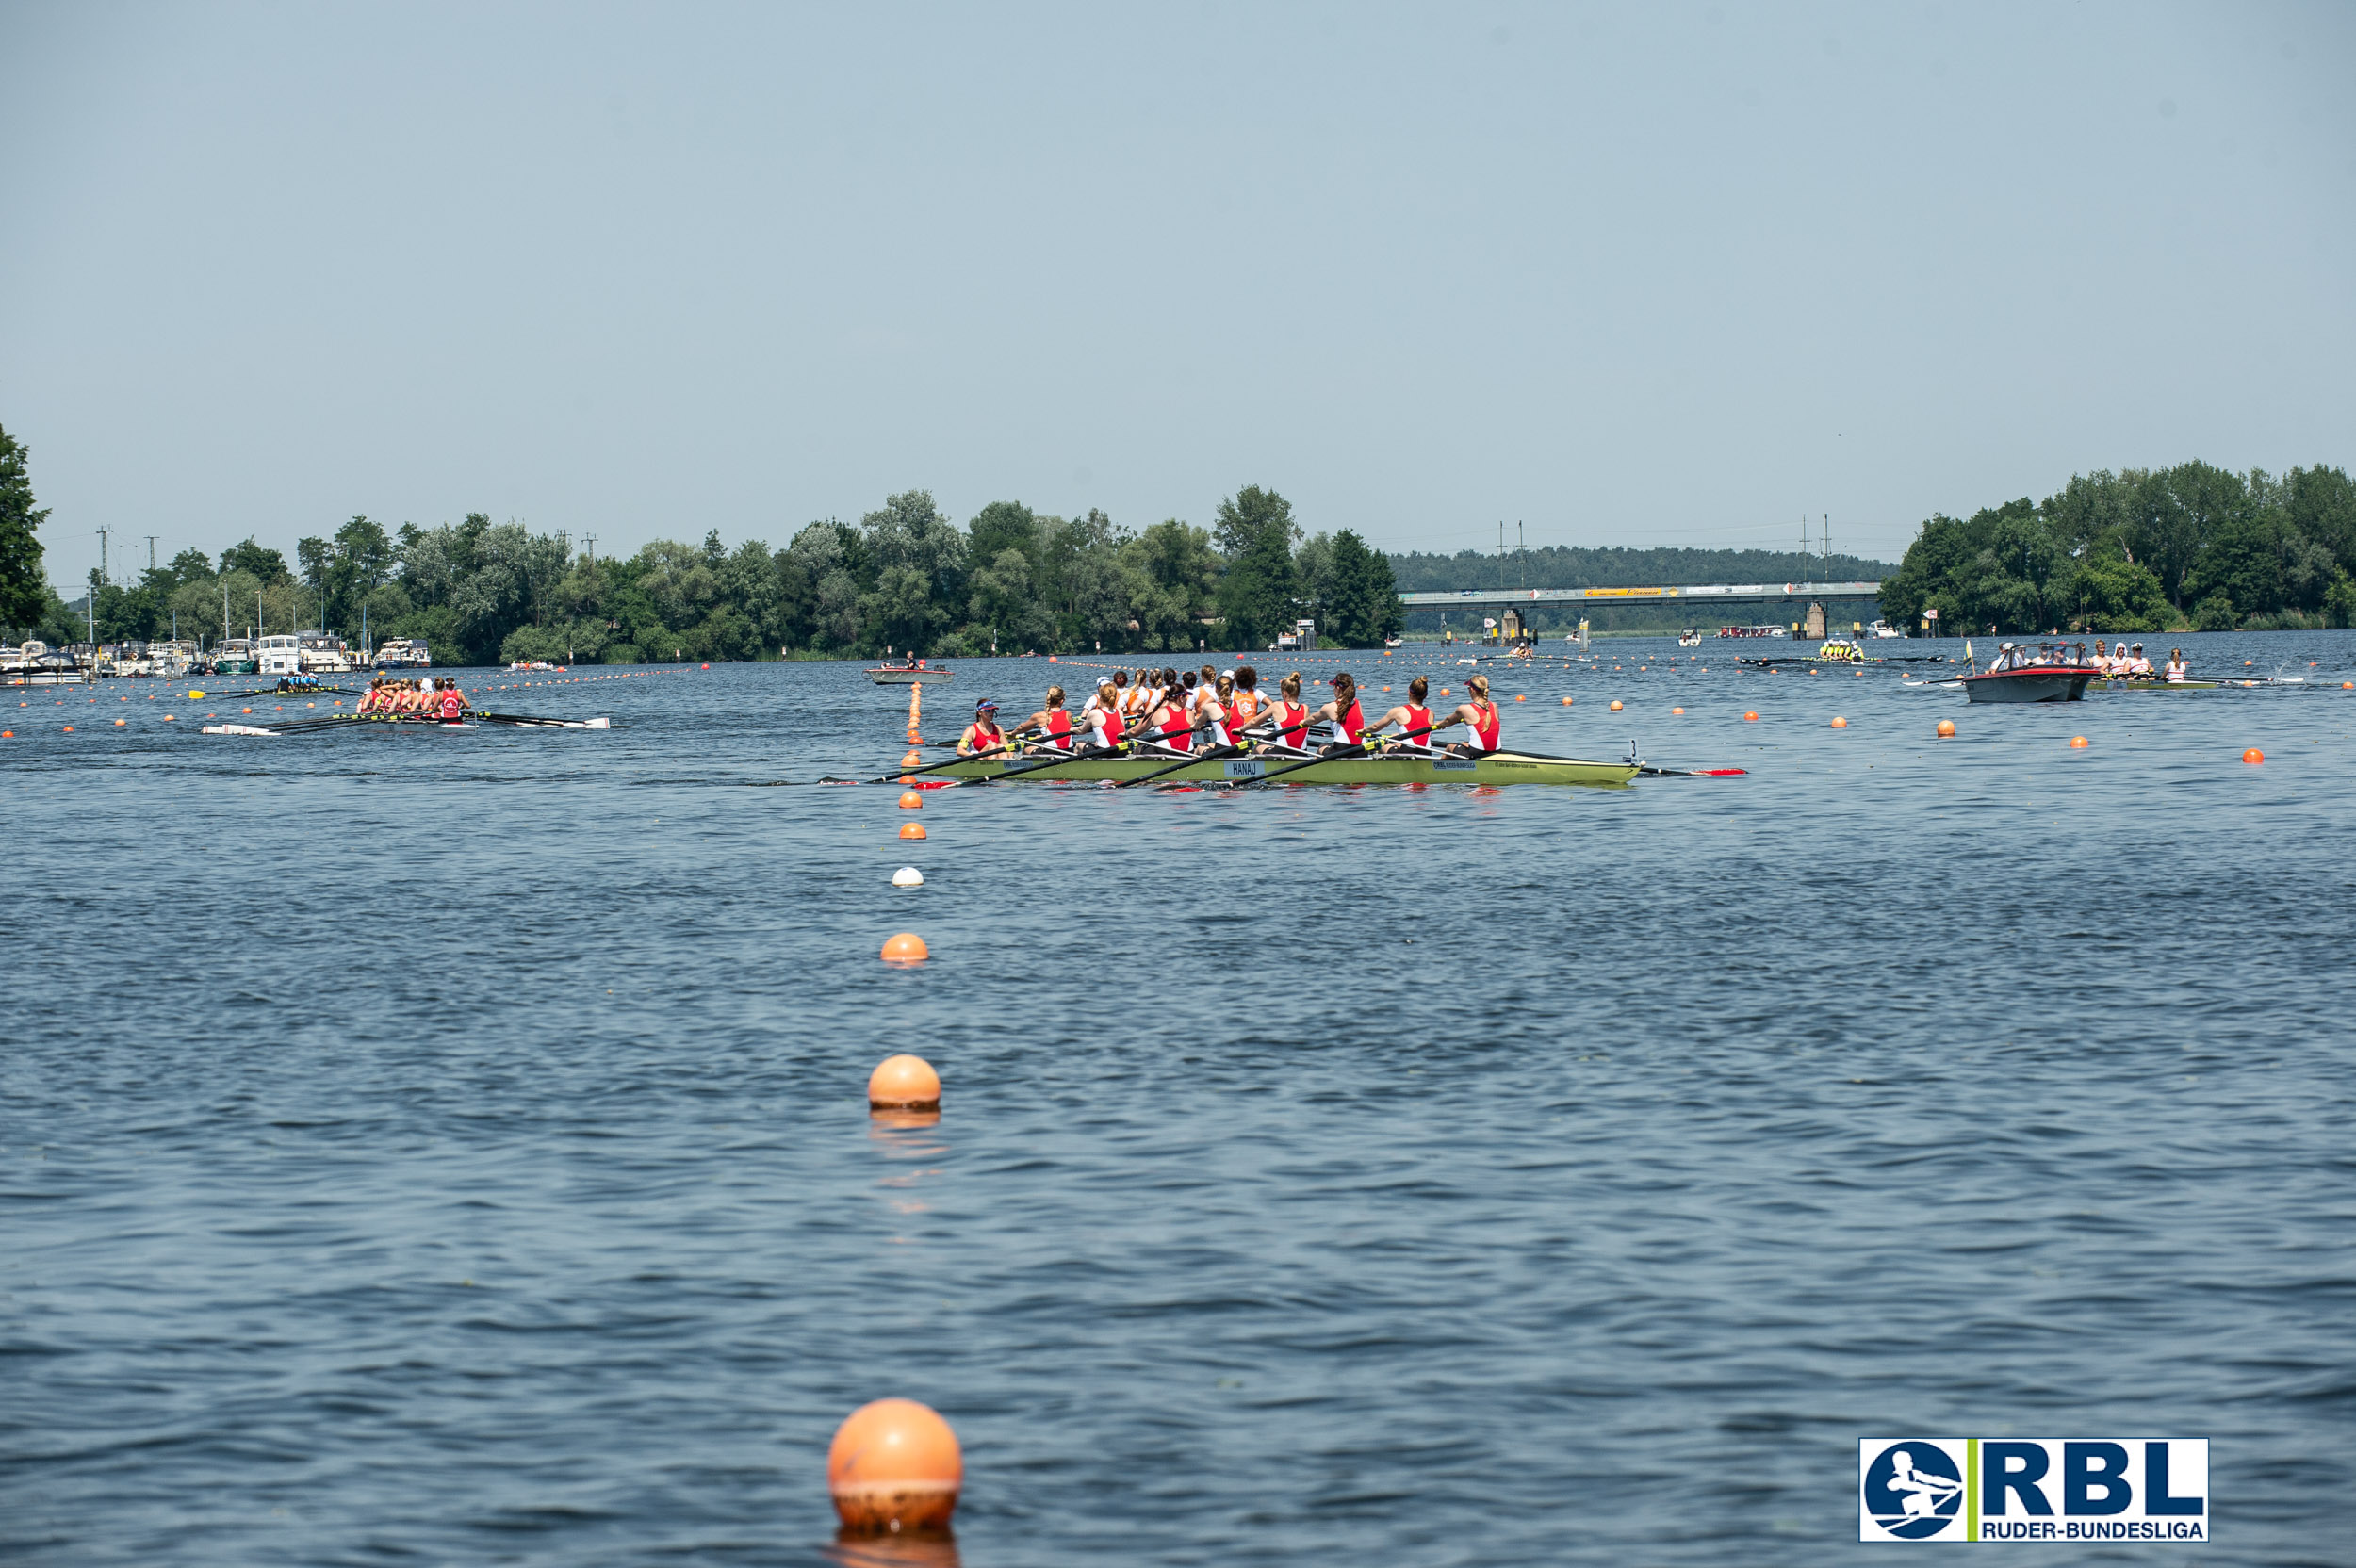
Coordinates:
(907, 877)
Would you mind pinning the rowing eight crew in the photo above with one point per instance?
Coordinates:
(1164, 713)
(406, 697)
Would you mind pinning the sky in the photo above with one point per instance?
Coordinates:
(1643, 274)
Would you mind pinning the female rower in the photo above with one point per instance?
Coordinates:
(2138, 666)
(1050, 724)
(1481, 715)
(1244, 703)
(2176, 670)
(1343, 713)
(1216, 716)
(1137, 697)
(1289, 715)
(1413, 718)
(1171, 723)
(452, 704)
(1107, 725)
(983, 734)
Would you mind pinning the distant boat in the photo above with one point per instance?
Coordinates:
(1689, 637)
(2046, 673)
(914, 673)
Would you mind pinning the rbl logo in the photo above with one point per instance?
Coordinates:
(2033, 1489)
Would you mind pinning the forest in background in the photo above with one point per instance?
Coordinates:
(903, 578)
(2193, 547)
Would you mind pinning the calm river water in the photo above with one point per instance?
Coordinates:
(452, 1148)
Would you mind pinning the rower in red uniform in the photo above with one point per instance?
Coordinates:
(1481, 715)
(453, 704)
(1343, 713)
(1050, 724)
(1108, 727)
(1169, 720)
(1289, 715)
(1413, 718)
(983, 734)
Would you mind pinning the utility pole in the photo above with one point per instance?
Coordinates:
(102, 552)
(1824, 539)
(151, 552)
(593, 550)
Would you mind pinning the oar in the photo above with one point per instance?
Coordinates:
(935, 767)
(1345, 754)
(1160, 773)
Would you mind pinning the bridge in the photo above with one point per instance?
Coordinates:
(1730, 593)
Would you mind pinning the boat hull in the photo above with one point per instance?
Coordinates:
(2047, 685)
(1504, 767)
(910, 678)
(2154, 685)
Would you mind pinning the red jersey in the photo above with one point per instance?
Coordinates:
(452, 706)
(1488, 735)
(1292, 723)
(1417, 718)
(1058, 730)
(1175, 725)
(978, 740)
(1351, 724)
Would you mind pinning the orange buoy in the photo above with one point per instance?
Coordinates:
(894, 1466)
(1518, 697)
(1615, 705)
(1444, 690)
(1750, 718)
(706, 666)
(2348, 685)
(905, 948)
(912, 759)
(911, 830)
(910, 800)
(2077, 743)
(904, 1083)
(1676, 710)
(1839, 722)
(120, 723)
(2252, 756)
(1566, 702)
(1946, 729)
(69, 730)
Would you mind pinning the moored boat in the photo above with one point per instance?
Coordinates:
(2049, 672)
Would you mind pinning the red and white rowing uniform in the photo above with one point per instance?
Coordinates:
(1214, 716)
(1175, 725)
(1292, 723)
(1058, 730)
(1110, 727)
(1417, 718)
(978, 739)
(453, 706)
(1243, 709)
(1352, 724)
(1487, 736)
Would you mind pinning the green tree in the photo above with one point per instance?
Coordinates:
(24, 589)
(920, 572)
(2116, 595)
(1256, 533)
(1362, 607)
(247, 556)
(2213, 613)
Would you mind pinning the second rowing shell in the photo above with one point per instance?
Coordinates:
(1502, 767)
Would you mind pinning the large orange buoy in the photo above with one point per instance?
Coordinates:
(912, 759)
(1676, 710)
(1615, 705)
(1946, 729)
(2077, 743)
(1750, 718)
(1839, 722)
(910, 800)
(904, 1083)
(1518, 697)
(2253, 755)
(911, 830)
(1566, 702)
(894, 1465)
(905, 949)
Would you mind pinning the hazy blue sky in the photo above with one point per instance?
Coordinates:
(1645, 275)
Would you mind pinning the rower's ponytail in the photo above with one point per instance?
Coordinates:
(1417, 689)
(1345, 689)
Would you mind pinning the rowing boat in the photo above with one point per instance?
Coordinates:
(413, 721)
(1497, 767)
(909, 675)
(2154, 686)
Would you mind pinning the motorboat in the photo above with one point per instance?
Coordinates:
(1689, 637)
(1882, 628)
(914, 673)
(402, 653)
(2044, 672)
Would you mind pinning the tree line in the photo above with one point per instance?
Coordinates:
(904, 578)
(2193, 547)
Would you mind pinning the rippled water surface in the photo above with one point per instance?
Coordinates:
(431, 1147)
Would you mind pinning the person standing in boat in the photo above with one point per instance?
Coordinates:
(983, 734)
(1413, 718)
(1342, 712)
(1480, 714)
